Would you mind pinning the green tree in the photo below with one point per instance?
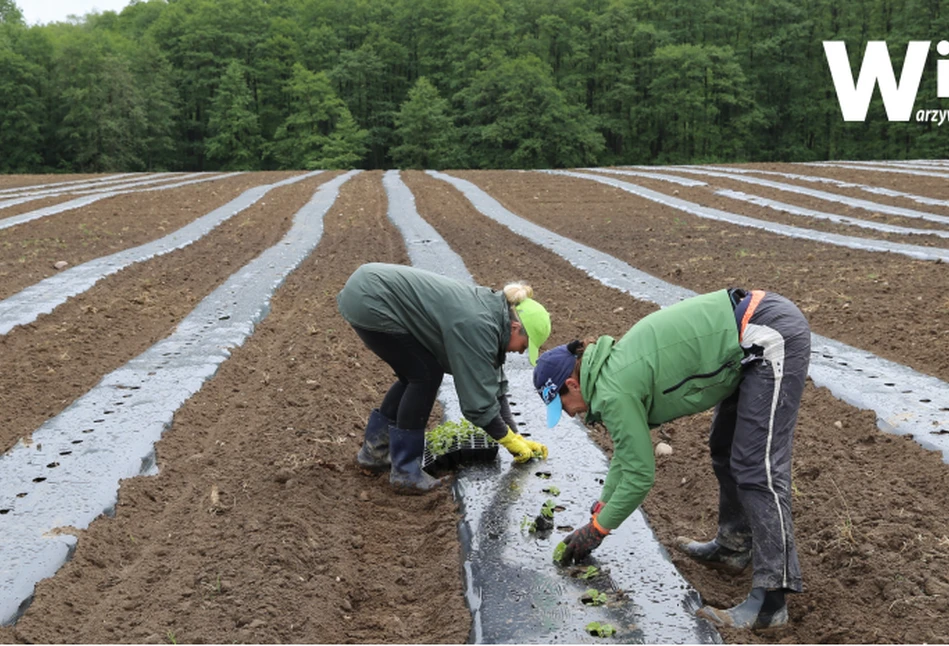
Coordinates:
(319, 132)
(234, 133)
(271, 69)
(480, 33)
(529, 82)
(200, 37)
(515, 117)
(20, 113)
(10, 13)
(704, 107)
(160, 102)
(103, 112)
(370, 80)
(21, 105)
(425, 128)
(344, 147)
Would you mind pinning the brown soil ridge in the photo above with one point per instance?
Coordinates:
(707, 196)
(299, 546)
(62, 355)
(890, 305)
(29, 250)
(871, 522)
(933, 187)
(923, 190)
(33, 181)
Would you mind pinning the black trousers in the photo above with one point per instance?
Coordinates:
(410, 399)
(750, 442)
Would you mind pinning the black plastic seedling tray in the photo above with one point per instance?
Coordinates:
(472, 450)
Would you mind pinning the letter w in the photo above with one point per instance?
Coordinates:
(854, 99)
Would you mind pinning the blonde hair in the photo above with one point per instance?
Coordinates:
(516, 293)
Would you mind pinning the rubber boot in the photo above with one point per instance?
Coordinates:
(374, 454)
(405, 450)
(714, 555)
(762, 610)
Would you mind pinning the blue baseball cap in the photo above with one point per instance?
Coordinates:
(553, 368)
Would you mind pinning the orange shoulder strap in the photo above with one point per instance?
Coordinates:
(756, 296)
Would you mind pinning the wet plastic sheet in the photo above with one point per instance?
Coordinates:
(516, 593)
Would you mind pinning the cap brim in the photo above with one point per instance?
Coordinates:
(554, 410)
(533, 350)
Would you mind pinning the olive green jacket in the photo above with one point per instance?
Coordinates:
(681, 360)
(467, 328)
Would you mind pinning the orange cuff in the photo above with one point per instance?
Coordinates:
(599, 527)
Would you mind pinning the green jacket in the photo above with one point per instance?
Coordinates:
(466, 327)
(681, 360)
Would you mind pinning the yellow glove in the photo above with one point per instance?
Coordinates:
(537, 449)
(517, 445)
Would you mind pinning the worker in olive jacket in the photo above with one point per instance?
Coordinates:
(425, 325)
(747, 355)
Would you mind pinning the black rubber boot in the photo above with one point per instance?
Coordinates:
(374, 454)
(762, 610)
(713, 555)
(406, 475)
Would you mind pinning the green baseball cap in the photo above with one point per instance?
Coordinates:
(536, 322)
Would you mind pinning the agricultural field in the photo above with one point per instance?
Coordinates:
(250, 521)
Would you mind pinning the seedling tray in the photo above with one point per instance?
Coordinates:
(478, 447)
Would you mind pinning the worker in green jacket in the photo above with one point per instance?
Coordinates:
(425, 325)
(747, 355)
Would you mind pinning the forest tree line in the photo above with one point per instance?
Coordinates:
(281, 84)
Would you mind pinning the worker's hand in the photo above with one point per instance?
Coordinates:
(517, 446)
(581, 542)
(537, 449)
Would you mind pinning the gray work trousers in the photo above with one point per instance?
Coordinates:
(750, 442)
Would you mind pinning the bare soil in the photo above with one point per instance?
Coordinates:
(28, 252)
(23, 181)
(896, 307)
(709, 196)
(297, 545)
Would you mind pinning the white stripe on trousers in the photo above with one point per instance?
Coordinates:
(773, 344)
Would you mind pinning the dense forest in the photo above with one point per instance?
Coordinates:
(275, 84)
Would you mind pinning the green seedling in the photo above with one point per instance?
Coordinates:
(529, 525)
(558, 551)
(545, 520)
(595, 597)
(552, 490)
(591, 572)
(597, 629)
(444, 437)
